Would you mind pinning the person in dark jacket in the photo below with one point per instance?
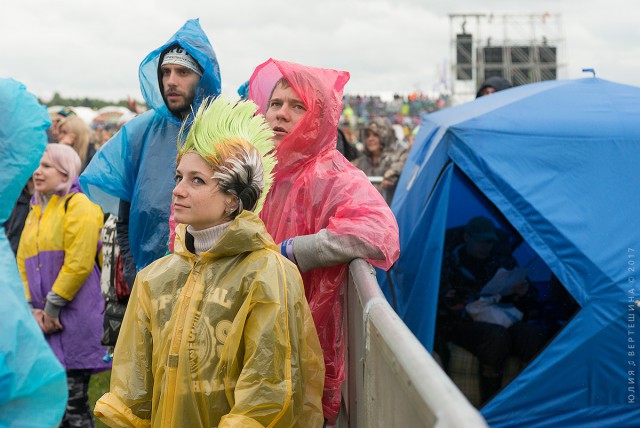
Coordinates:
(466, 269)
(15, 223)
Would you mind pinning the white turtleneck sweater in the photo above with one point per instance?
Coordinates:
(204, 239)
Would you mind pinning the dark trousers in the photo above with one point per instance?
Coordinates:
(492, 343)
(78, 413)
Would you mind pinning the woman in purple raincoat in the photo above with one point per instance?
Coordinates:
(57, 262)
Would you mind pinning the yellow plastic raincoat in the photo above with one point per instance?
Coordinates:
(223, 340)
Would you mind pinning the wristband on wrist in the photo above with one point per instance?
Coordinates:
(286, 249)
(289, 249)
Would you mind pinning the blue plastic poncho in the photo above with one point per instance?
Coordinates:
(137, 165)
(33, 387)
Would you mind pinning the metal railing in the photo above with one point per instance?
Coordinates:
(392, 381)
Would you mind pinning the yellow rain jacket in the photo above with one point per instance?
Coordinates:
(224, 340)
(57, 253)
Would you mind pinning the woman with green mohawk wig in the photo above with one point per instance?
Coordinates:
(218, 333)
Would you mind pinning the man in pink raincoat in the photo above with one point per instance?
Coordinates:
(322, 209)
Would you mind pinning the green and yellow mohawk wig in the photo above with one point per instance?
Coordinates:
(237, 144)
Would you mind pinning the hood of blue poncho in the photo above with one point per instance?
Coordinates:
(193, 39)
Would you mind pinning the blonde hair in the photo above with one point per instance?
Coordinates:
(65, 160)
(236, 143)
(77, 126)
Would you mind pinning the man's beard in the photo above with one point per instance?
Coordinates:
(182, 111)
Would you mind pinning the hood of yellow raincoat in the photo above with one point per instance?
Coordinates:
(320, 90)
(246, 233)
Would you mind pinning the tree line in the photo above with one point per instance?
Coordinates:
(93, 103)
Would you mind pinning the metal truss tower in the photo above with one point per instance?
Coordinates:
(521, 48)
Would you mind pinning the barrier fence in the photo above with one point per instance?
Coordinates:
(392, 381)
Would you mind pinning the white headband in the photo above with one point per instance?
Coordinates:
(180, 56)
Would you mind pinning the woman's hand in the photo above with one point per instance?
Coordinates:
(48, 324)
(37, 314)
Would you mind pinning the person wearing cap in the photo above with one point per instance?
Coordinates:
(132, 175)
(53, 133)
(322, 210)
(492, 85)
(466, 269)
(379, 143)
(179, 74)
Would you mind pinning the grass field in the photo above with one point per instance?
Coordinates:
(99, 385)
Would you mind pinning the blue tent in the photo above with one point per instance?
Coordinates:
(560, 161)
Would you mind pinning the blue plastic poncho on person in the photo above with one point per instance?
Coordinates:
(137, 165)
(33, 387)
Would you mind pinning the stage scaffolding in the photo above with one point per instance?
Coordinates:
(522, 48)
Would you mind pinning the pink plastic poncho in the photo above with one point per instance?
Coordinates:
(316, 188)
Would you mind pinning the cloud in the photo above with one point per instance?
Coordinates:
(82, 48)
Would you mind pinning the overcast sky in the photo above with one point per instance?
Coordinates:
(93, 48)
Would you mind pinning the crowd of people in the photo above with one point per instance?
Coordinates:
(228, 234)
(401, 109)
(241, 324)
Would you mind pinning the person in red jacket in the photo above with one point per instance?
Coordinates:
(322, 210)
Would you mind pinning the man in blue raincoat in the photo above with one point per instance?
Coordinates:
(133, 173)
